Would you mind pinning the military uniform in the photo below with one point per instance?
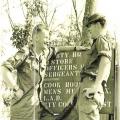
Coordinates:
(30, 72)
(88, 108)
(5, 97)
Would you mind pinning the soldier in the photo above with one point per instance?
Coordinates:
(95, 74)
(29, 65)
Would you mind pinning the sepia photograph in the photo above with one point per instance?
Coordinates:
(59, 60)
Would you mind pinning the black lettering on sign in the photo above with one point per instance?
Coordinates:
(63, 77)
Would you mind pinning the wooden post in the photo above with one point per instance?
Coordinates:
(117, 83)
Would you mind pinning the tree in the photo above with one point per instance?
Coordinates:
(90, 8)
(21, 34)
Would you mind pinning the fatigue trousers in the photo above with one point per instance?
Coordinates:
(88, 108)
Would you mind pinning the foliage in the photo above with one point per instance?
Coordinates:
(22, 34)
(74, 33)
(19, 36)
(38, 8)
(68, 34)
(71, 33)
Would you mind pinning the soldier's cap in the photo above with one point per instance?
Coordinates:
(94, 18)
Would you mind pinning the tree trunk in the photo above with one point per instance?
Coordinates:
(90, 8)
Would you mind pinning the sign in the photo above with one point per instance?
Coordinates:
(63, 77)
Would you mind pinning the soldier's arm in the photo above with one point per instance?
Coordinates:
(70, 48)
(101, 79)
(9, 78)
(104, 49)
(9, 69)
(53, 51)
(103, 70)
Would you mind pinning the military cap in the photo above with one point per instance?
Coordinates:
(94, 18)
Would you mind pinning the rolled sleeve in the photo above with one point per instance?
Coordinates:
(103, 47)
(15, 61)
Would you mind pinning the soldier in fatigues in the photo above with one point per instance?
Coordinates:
(30, 65)
(95, 74)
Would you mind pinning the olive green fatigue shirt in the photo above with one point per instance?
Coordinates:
(30, 71)
(100, 47)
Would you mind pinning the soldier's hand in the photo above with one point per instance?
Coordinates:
(18, 93)
(89, 92)
(92, 91)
